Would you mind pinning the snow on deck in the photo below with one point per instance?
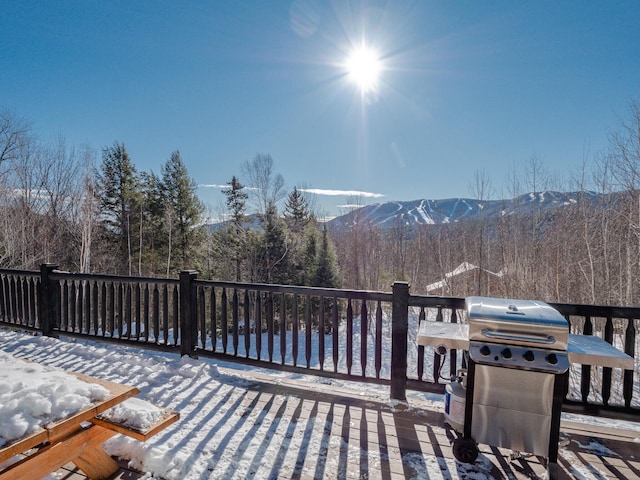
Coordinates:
(256, 425)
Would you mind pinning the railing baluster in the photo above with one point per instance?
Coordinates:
(335, 322)
(73, 302)
(112, 310)
(202, 317)
(247, 323)
(103, 308)
(128, 309)
(214, 325)
(155, 315)
(294, 330)
(19, 300)
(270, 329)
(606, 372)
(283, 329)
(349, 336)
(145, 313)
(83, 322)
(585, 378)
(12, 299)
(235, 321)
(258, 324)
(136, 318)
(165, 314)
(420, 367)
(629, 349)
(223, 324)
(95, 304)
(33, 309)
(378, 352)
(3, 305)
(119, 315)
(30, 312)
(176, 315)
(321, 332)
(364, 333)
(308, 328)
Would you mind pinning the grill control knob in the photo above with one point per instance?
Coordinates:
(528, 356)
(506, 353)
(551, 359)
(485, 351)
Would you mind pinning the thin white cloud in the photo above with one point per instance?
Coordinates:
(214, 185)
(350, 206)
(351, 193)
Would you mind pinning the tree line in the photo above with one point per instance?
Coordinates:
(583, 252)
(94, 212)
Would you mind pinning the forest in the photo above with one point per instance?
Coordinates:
(92, 211)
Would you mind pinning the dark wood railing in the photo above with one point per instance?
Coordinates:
(346, 334)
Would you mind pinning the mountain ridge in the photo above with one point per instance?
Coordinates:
(452, 210)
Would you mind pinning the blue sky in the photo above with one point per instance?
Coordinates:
(465, 86)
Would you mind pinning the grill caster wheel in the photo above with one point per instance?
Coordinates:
(465, 450)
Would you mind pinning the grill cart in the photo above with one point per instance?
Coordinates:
(511, 394)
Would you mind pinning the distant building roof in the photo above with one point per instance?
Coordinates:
(464, 267)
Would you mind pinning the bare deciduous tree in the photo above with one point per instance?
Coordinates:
(264, 185)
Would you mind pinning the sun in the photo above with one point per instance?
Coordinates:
(363, 67)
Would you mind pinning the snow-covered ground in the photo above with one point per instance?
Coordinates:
(205, 442)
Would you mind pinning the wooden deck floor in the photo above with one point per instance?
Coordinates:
(338, 434)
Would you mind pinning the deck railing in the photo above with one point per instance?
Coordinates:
(345, 334)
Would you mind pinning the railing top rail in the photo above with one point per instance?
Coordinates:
(580, 310)
(61, 275)
(26, 273)
(601, 311)
(314, 291)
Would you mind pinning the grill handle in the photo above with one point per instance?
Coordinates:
(547, 340)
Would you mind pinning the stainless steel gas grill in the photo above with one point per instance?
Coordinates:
(516, 378)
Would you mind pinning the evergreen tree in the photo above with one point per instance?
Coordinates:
(307, 258)
(119, 194)
(296, 211)
(153, 231)
(235, 238)
(275, 247)
(326, 273)
(183, 207)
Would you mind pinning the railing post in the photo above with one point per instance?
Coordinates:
(188, 316)
(399, 330)
(47, 300)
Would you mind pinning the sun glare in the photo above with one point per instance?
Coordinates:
(363, 67)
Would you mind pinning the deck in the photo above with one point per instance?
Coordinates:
(339, 433)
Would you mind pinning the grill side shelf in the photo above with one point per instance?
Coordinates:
(590, 350)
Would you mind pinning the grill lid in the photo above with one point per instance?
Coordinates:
(516, 322)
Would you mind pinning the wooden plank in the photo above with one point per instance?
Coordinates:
(22, 445)
(141, 435)
(617, 433)
(97, 464)
(52, 457)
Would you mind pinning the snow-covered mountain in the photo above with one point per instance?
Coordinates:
(434, 212)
